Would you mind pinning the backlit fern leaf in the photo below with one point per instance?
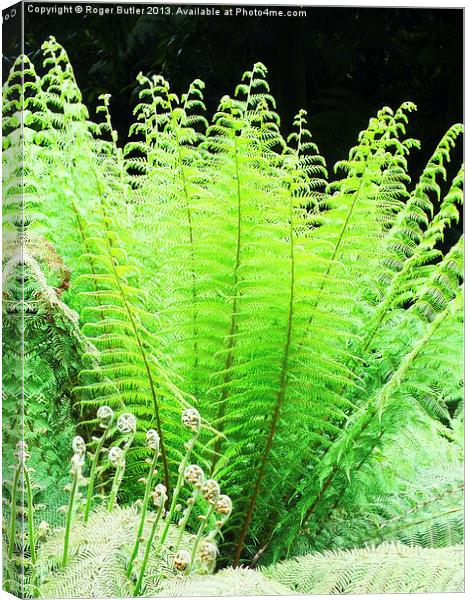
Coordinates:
(389, 568)
(130, 376)
(310, 317)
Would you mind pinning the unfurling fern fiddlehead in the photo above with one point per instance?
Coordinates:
(105, 416)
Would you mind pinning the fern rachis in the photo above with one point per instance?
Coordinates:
(313, 318)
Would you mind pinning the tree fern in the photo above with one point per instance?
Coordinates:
(314, 319)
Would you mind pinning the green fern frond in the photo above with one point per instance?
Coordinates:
(389, 568)
(227, 582)
(314, 319)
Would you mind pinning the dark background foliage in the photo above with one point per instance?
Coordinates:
(341, 64)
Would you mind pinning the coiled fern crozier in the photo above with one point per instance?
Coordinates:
(311, 316)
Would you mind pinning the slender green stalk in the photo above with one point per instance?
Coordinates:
(121, 467)
(29, 496)
(11, 541)
(199, 535)
(189, 448)
(217, 529)
(70, 513)
(143, 512)
(147, 551)
(91, 479)
(182, 525)
(116, 484)
(31, 533)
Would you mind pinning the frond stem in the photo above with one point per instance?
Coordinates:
(234, 310)
(279, 401)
